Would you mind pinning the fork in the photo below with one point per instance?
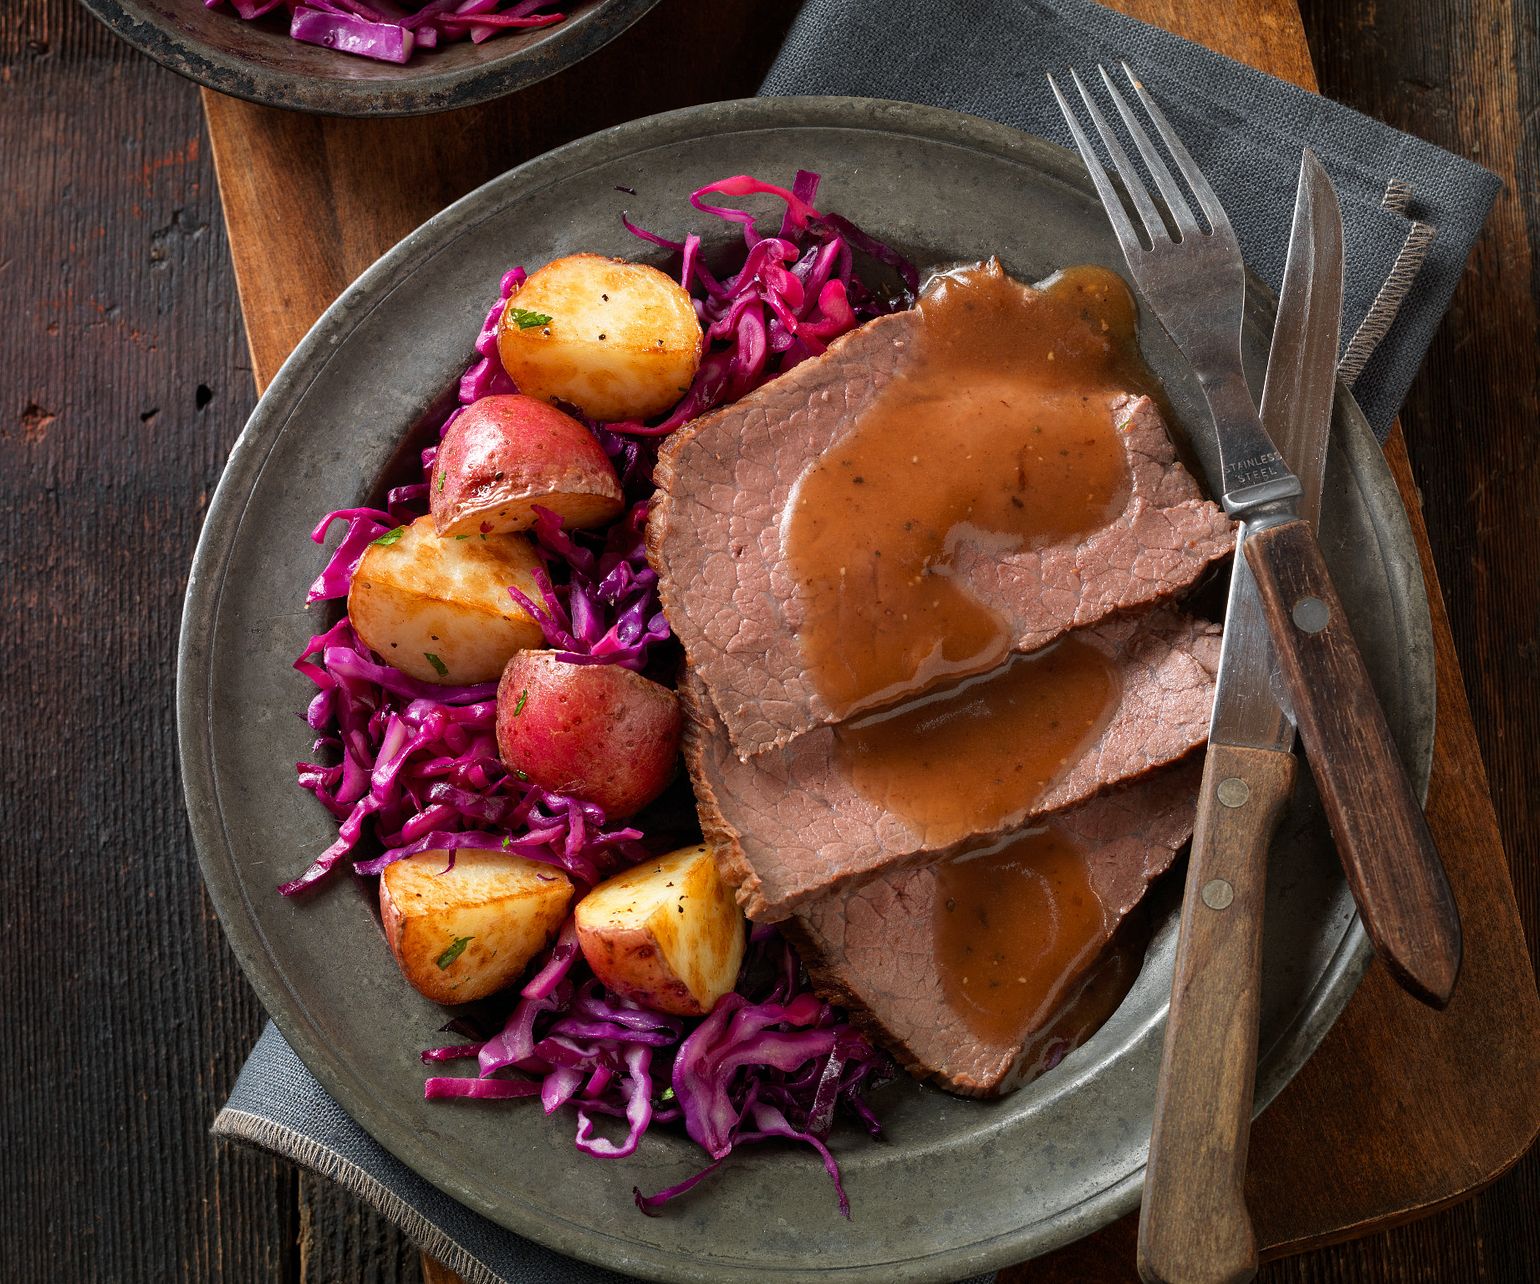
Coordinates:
(1194, 1225)
(1195, 283)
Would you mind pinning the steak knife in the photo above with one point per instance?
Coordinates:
(1194, 1223)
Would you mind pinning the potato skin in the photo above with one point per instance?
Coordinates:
(505, 907)
(598, 731)
(666, 933)
(622, 342)
(422, 596)
(505, 454)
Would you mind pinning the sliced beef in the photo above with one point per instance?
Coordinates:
(790, 827)
(724, 484)
(875, 950)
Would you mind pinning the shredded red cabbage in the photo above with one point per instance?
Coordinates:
(419, 765)
(608, 610)
(407, 766)
(794, 293)
(389, 32)
(780, 1066)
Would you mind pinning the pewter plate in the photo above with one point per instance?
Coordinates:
(961, 1186)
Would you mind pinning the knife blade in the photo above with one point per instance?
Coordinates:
(1194, 1223)
(1297, 395)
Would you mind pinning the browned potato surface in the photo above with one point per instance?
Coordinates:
(666, 933)
(617, 340)
(438, 609)
(470, 932)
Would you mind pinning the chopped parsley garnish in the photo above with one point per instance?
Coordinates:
(389, 537)
(439, 667)
(521, 775)
(526, 320)
(455, 949)
(666, 1095)
(519, 707)
(440, 486)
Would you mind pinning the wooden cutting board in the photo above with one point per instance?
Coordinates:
(1402, 1110)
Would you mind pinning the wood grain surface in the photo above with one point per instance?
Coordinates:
(125, 382)
(1194, 1225)
(1381, 835)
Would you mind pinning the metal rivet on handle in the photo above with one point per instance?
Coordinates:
(1311, 615)
(1233, 792)
(1217, 894)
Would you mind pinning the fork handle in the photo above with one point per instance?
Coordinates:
(1382, 836)
(1193, 1225)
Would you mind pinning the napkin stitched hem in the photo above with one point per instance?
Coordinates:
(242, 1127)
(1393, 291)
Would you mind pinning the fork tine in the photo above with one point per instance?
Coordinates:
(1133, 181)
(1176, 202)
(1116, 214)
(1212, 209)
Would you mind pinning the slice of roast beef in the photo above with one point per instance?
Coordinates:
(887, 951)
(724, 485)
(790, 826)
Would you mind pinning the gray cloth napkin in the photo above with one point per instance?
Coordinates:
(1411, 213)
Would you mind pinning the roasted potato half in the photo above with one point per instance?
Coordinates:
(438, 609)
(666, 933)
(467, 932)
(617, 340)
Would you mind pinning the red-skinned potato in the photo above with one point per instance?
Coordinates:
(506, 454)
(464, 933)
(666, 933)
(617, 340)
(439, 609)
(598, 731)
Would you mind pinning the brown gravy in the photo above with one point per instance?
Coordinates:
(967, 758)
(1013, 929)
(1089, 1004)
(996, 430)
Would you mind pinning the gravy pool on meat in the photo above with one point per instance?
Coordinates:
(966, 757)
(996, 430)
(1020, 944)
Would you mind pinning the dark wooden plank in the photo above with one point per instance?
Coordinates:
(342, 1239)
(125, 380)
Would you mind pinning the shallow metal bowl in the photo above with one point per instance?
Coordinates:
(259, 62)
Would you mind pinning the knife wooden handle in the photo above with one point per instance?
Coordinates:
(1193, 1226)
(1382, 836)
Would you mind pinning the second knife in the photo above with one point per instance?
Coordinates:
(1194, 1224)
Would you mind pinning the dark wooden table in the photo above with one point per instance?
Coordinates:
(126, 378)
